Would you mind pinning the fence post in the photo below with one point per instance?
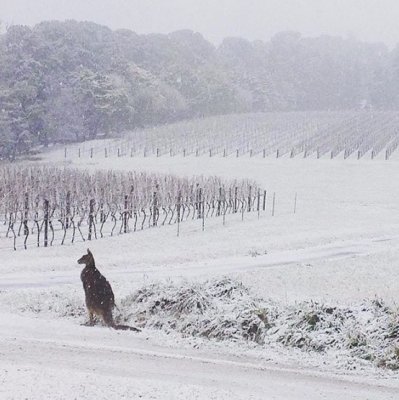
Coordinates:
(46, 216)
(264, 200)
(224, 206)
(258, 204)
(199, 203)
(249, 198)
(237, 153)
(203, 213)
(67, 209)
(91, 152)
(91, 217)
(235, 199)
(105, 152)
(178, 212)
(155, 207)
(274, 203)
(79, 152)
(65, 153)
(26, 215)
(125, 213)
(219, 202)
(296, 195)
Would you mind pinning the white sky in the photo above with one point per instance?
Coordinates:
(369, 20)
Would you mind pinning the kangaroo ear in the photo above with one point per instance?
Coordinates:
(89, 252)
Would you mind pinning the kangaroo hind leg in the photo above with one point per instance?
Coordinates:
(107, 318)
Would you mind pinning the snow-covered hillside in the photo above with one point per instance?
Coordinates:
(292, 306)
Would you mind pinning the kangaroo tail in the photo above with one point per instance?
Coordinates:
(119, 327)
(109, 321)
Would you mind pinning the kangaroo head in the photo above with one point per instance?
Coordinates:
(87, 259)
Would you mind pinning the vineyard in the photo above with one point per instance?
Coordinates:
(44, 206)
(306, 134)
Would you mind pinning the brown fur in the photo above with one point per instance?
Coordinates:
(100, 298)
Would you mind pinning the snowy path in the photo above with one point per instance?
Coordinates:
(337, 250)
(96, 361)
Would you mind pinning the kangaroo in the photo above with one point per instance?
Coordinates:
(100, 298)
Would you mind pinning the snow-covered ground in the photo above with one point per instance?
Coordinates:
(339, 250)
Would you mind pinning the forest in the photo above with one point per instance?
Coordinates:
(73, 81)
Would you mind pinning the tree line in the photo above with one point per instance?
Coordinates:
(73, 81)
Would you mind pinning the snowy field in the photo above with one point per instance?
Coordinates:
(290, 306)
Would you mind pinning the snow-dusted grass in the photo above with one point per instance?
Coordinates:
(224, 310)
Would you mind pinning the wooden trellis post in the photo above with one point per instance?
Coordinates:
(203, 213)
(155, 208)
(224, 206)
(67, 209)
(199, 203)
(249, 198)
(264, 201)
(125, 213)
(235, 199)
(91, 218)
(178, 212)
(46, 217)
(219, 203)
(26, 215)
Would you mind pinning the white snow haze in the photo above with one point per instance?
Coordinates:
(369, 20)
